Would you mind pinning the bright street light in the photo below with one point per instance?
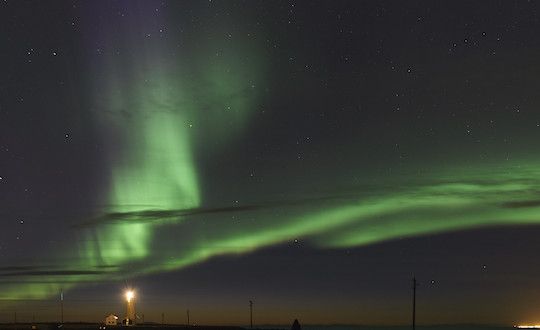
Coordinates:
(129, 295)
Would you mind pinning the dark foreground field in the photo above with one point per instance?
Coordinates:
(96, 326)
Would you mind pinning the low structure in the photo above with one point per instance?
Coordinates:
(111, 319)
(296, 325)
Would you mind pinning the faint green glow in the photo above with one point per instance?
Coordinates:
(29, 291)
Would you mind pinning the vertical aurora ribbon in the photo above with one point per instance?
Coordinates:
(155, 112)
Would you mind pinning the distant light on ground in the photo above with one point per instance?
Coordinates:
(527, 326)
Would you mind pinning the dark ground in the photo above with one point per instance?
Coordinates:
(92, 326)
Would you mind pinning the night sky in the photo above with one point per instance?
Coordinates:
(308, 156)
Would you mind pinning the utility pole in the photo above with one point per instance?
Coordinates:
(187, 312)
(251, 314)
(62, 307)
(414, 303)
(162, 318)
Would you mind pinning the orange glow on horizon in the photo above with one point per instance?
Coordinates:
(527, 326)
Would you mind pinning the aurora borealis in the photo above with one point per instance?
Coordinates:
(191, 149)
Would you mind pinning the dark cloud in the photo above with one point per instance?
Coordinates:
(156, 215)
(522, 204)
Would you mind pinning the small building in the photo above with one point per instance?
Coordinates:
(111, 319)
